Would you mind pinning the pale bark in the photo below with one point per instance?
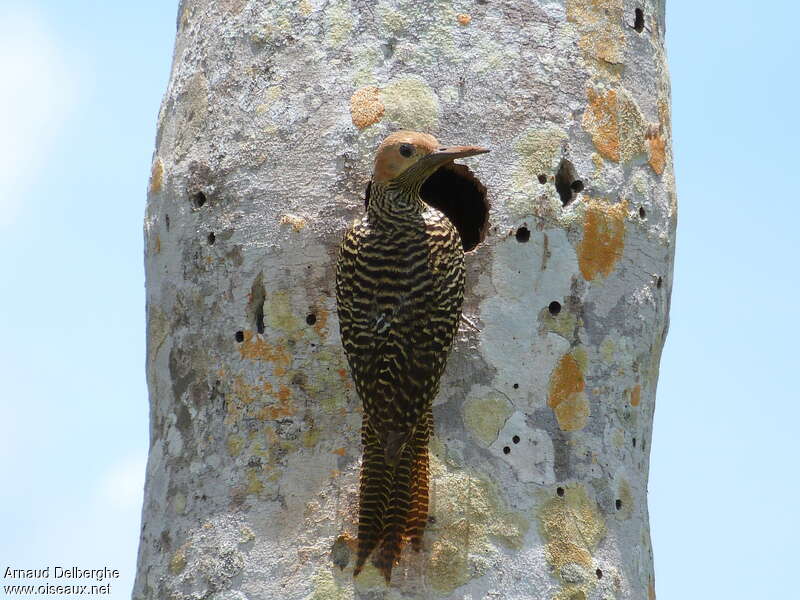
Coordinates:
(543, 422)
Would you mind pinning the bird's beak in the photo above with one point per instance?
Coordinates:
(446, 153)
(428, 164)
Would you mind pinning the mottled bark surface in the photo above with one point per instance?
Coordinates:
(540, 456)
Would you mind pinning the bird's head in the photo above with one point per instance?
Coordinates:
(410, 157)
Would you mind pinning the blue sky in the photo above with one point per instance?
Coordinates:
(82, 82)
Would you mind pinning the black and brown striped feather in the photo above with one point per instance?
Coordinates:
(399, 286)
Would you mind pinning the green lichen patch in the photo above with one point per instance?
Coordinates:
(485, 416)
(572, 527)
(539, 151)
(340, 22)
(472, 520)
(178, 561)
(411, 104)
(326, 587)
(564, 323)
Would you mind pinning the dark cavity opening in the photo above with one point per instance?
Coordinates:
(311, 318)
(198, 199)
(560, 491)
(542, 178)
(599, 574)
(638, 20)
(212, 238)
(506, 450)
(554, 307)
(515, 439)
(634, 442)
(618, 504)
(166, 221)
(659, 282)
(642, 213)
(523, 234)
(255, 307)
(516, 386)
(454, 190)
(567, 183)
(240, 336)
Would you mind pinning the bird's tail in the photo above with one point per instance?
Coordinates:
(393, 503)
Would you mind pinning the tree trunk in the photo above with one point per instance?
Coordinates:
(265, 141)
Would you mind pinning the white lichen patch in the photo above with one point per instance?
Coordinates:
(528, 450)
(526, 277)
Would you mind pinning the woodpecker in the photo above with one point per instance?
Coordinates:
(399, 291)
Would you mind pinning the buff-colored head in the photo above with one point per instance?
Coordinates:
(415, 156)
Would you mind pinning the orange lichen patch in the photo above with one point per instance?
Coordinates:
(565, 381)
(603, 238)
(573, 414)
(156, 176)
(566, 396)
(464, 19)
(249, 400)
(255, 347)
(157, 244)
(600, 25)
(270, 413)
(244, 392)
(636, 395)
(321, 322)
(366, 107)
(296, 222)
(616, 124)
(656, 147)
(279, 371)
(342, 373)
(340, 451)
(657, 139)
(601, 121)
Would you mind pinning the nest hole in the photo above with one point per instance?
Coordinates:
(311, 318)
(568, 185)
(638, 20)
(554, 307)
(255, 307)
(198, 199)
(523, 234)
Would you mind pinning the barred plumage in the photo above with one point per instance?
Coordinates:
(399, 289)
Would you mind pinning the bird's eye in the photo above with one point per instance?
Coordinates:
(406, 150)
